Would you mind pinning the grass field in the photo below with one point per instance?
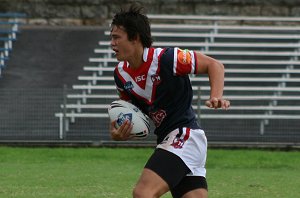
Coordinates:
(112, 173)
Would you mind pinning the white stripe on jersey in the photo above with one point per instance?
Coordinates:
(175, 60)
(146, 93)
(193, 62)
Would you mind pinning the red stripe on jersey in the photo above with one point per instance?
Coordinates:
(123, 95)
(151, 69)
(139, 75)
(187, 134)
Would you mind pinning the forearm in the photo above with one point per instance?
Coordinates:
(216, 79)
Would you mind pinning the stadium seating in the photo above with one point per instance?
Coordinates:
(9, 27)
(262, 72)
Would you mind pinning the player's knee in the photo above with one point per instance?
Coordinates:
(140, 192)
(136, 193)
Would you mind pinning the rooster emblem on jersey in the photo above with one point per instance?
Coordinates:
(178, 143)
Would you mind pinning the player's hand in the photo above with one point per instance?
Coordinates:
(122, 133)
(217, 103)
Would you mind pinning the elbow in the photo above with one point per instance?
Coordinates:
(209, 64)
(220, 65)
(217, 67)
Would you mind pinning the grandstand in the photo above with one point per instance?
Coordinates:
(44, 59)
(9, 27)
(262, 78)
(260, 55)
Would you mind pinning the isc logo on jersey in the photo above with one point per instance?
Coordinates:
(184, 57)
(140, 78)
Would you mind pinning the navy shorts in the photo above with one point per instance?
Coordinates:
(173, 170)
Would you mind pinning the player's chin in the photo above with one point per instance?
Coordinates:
(120, 58)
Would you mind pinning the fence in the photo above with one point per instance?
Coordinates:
(262, 82)
(27, 115)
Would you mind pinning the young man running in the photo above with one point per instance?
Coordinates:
(156, 80)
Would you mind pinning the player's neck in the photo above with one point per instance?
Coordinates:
(136, 60)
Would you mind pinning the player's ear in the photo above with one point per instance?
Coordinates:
(136, 38)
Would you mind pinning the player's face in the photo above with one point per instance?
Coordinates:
(120, 44)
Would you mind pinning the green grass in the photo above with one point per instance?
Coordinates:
(250, 173)
(112, 173)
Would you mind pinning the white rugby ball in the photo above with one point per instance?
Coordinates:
(121, 110)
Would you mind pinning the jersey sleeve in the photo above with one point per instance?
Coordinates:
(183, 62)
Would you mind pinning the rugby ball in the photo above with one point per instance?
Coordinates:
(121, 110)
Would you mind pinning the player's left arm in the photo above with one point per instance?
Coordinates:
(215, 70)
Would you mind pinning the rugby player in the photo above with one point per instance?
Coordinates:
(157, 81)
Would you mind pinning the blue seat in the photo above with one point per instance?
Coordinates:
(9, 25)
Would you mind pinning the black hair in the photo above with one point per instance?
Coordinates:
(135, 24)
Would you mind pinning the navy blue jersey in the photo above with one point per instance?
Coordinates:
(161, 87)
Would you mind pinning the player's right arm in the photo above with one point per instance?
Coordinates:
(122, 133)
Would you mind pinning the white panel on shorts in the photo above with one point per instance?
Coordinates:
(191, 147)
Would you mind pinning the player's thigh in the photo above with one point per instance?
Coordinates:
(150, 184)
(168, 166)
(199, 193)
(163, 170)
(191, 186)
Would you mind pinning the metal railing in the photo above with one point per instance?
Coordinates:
(27, 115)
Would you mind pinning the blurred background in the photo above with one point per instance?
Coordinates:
(56, 69)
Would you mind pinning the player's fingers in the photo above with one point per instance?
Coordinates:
(113, 125)
(215, 103)
(218, 103)
(112, 129)
(226, 104)
(127, 133)
(211, 103)
(208, 103)
(121, 133)
(221, 103)
(125, 130)
(125, 125)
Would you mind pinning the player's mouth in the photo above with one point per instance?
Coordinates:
(116, 51)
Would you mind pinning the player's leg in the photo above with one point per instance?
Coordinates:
(150, 185)
(191, 146)
(191, 187)
(164, 170)
(199, 193)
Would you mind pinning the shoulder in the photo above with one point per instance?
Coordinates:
(120, 67)
(156, 53)
(166, 55)
(182, 61)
